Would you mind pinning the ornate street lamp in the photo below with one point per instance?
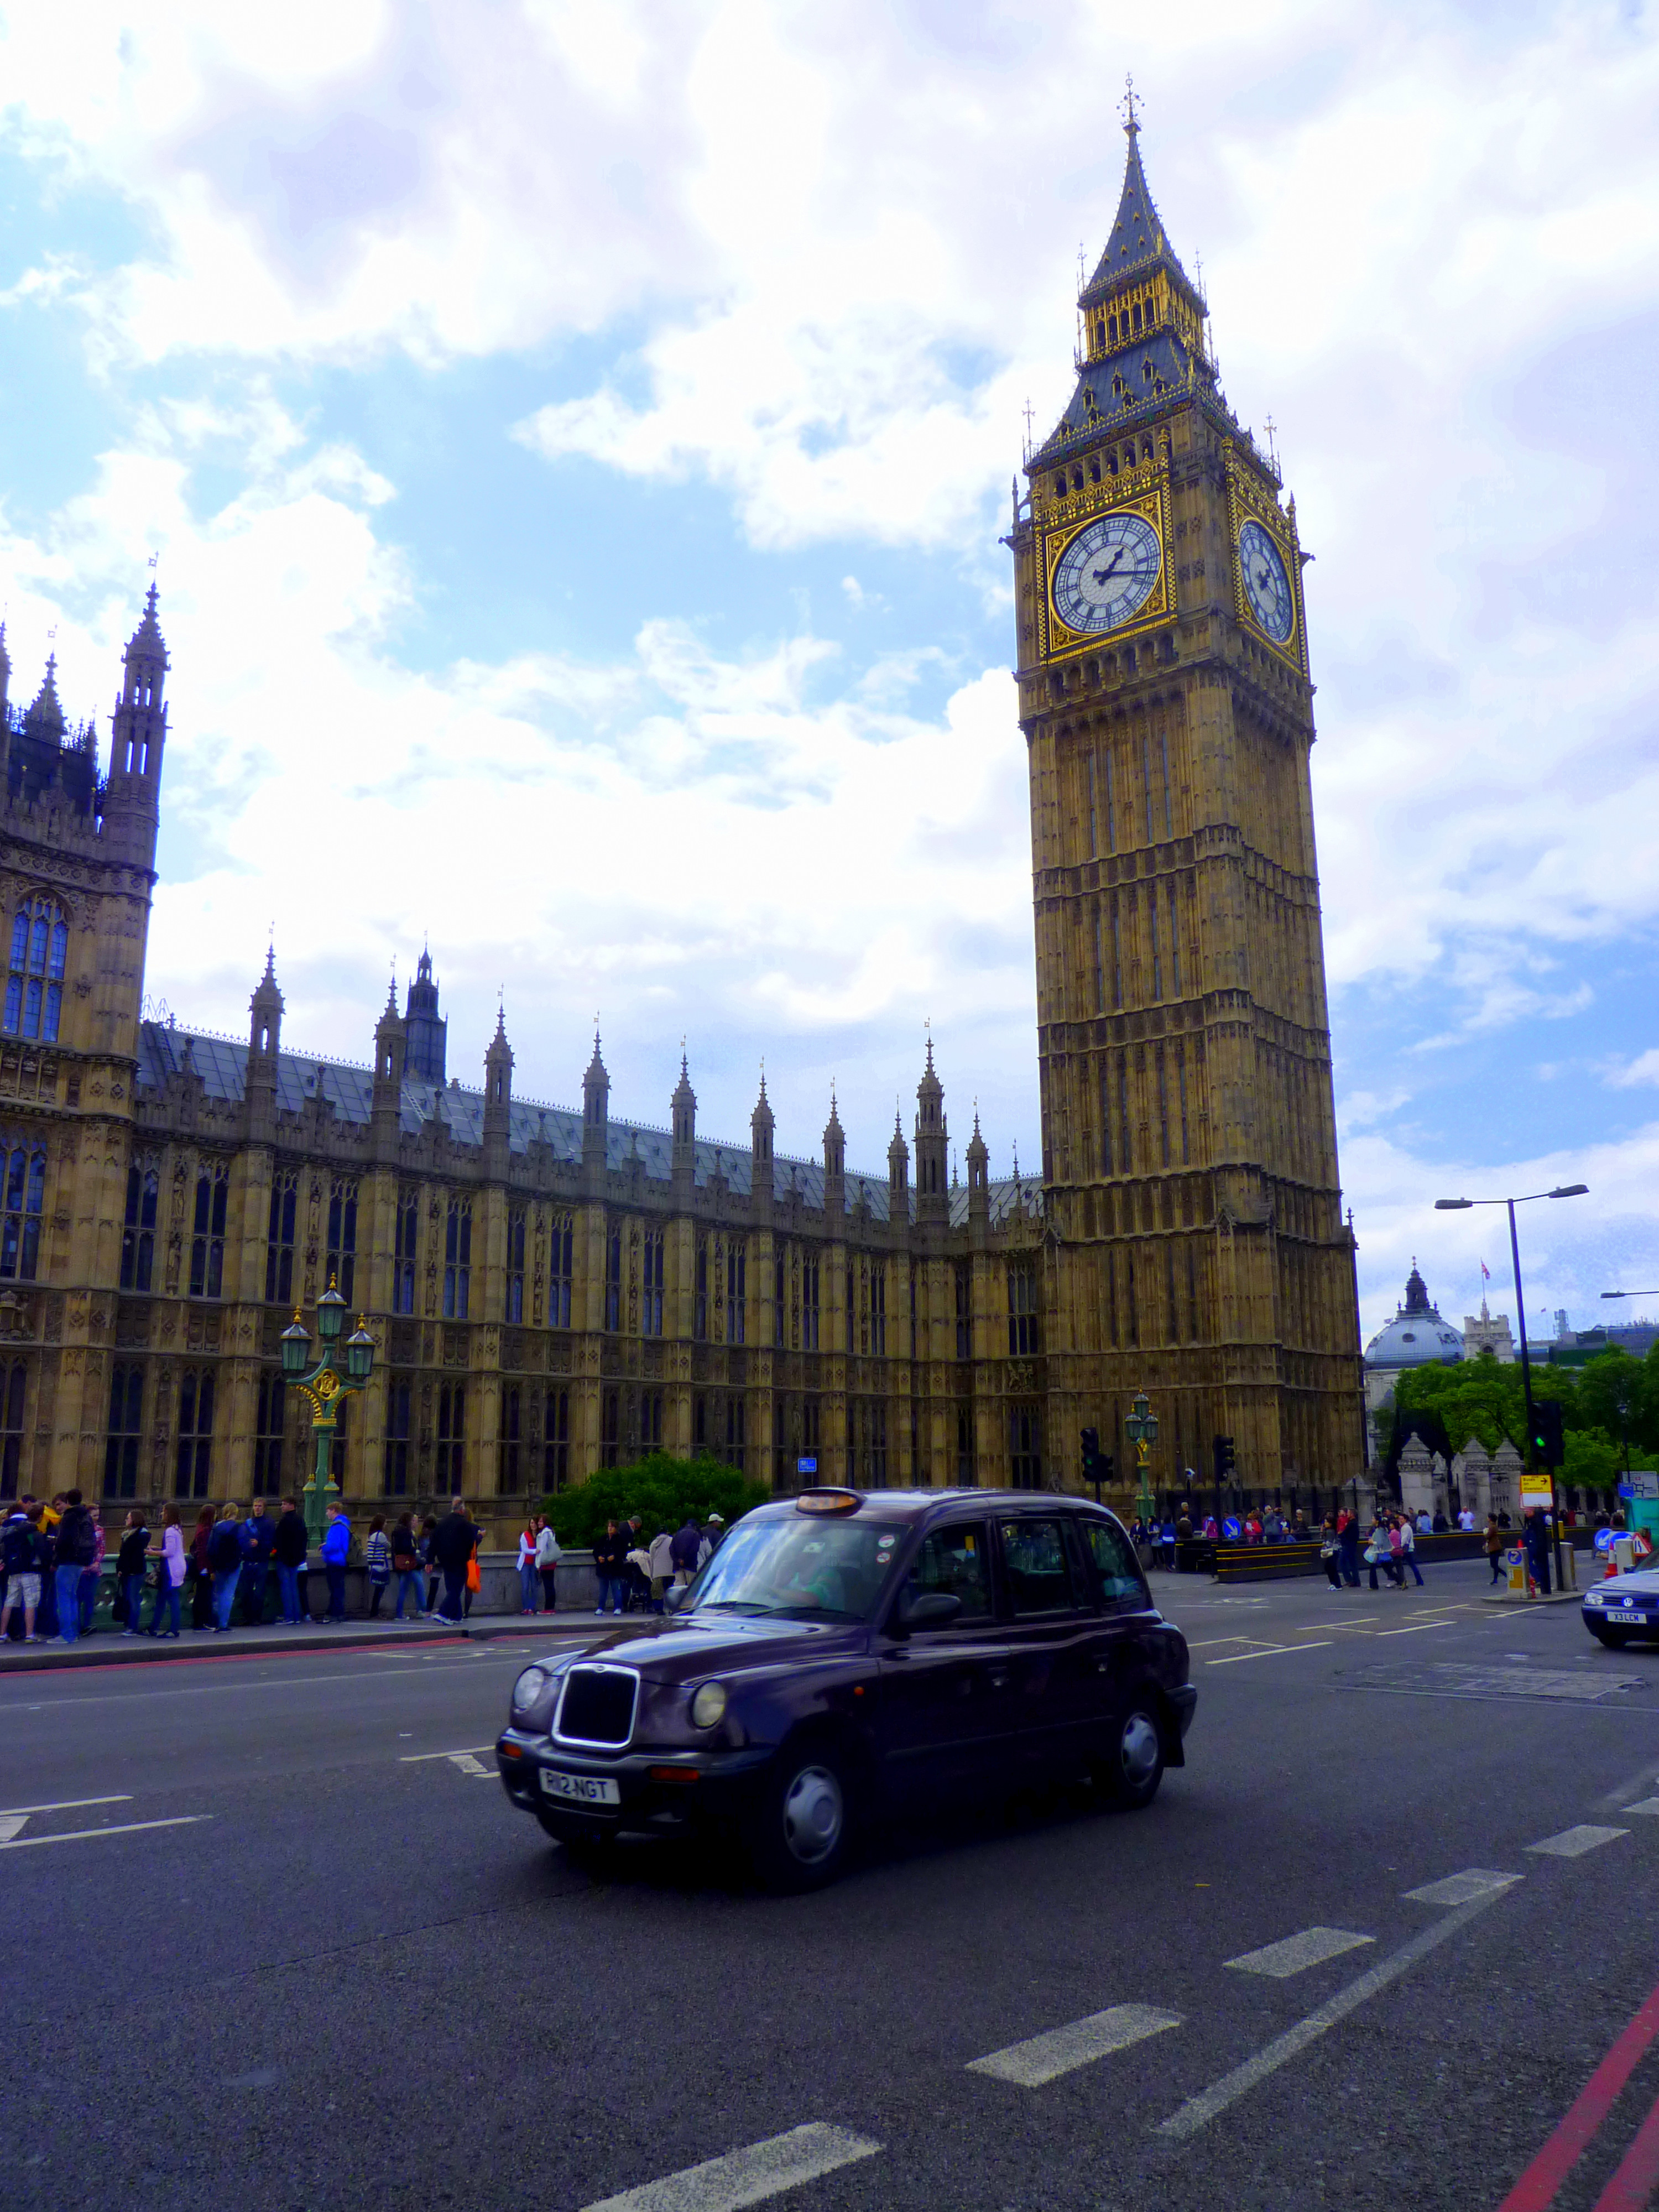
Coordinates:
(324, 1387)
(1141, 1426)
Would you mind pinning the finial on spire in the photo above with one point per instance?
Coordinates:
(1132, 101)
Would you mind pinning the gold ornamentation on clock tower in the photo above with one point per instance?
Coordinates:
(1196, 1244)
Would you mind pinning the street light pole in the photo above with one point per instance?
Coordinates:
(1141, 1426)
(1461, 1206)
(324, 1388)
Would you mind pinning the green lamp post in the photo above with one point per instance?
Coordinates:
(341, 1370)
(1141, 1428)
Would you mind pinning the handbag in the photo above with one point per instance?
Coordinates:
(474, 1578)
(1370, 1555)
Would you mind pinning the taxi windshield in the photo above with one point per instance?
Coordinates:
(806, 1569)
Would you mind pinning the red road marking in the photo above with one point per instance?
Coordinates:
(1636, 2180)
(1537, 2186)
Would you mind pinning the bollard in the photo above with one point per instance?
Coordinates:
(1520, 1582)
(1569, 1568)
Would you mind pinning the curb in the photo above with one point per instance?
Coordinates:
(106, 1649)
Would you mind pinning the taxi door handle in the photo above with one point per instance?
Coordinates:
(997, 1677)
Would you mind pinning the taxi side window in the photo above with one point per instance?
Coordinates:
(1119, 1577)
(1033, 1553)
(955, 1559)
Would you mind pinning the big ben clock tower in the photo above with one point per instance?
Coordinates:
(1197, 1245)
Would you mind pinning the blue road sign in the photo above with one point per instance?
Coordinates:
(1232, 1528)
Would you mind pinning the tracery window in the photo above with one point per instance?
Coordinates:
(343, 1238)
(513, 1302)
(193, 1465)
(556, 1439)
(207, 1248)
(457, 1259)
(737, 1279)
(1025, 1448)
(403, 1268)
(34, 988)
(651, 1288)
(613, 1268)
(279, 1236)
(964, 1274)
(452, 1437)
(25, 1196)
(268, 1436)
(808, 1305)
(397, 1439)
(558, 1303)
(138, 1235)
(11, 1429)
(509, 1476)
(1022, 1310)
(126, 1406)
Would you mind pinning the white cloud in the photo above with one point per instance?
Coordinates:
(1643, 1069)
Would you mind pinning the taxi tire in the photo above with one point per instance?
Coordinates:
(1614, 1638)
(594, 1854)
(812, 1775)
(1130, 1774)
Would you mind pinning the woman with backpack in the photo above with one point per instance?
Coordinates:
(406, 1565)
(1330, 1552)
(169, 1557)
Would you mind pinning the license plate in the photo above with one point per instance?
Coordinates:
(585, 1789)
(1630, 1619)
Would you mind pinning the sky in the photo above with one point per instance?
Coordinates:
(573, 438)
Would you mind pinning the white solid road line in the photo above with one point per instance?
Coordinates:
(1045, 2058)
(1463, 1888)
(1573, 1843)
(64, 1805)
(1198, 2112)
(1273, 1651)
(415, 1758)
(747, 2177)
(1294, 1954)
(1649, 1805)
(86, 1835)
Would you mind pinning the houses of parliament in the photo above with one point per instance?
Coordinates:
(554, 1290)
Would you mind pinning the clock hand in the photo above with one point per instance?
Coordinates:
(1100, 575)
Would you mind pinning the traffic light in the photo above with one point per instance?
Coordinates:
(1096, 1464)
(1225, 1462)
(1547, 1432)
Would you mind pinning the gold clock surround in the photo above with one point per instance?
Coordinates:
(1056, 639)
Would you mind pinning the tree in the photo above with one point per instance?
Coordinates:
(1479, 1397)
(660, 1489)
(1592, 1457)
(1616, 1395)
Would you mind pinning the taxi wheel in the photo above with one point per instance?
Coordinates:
(594, 1854)
(1614, 1638)
(801, 1836)
(1132, 1772)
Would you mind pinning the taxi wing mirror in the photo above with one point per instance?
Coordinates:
(671, 1596)
(928, 1609)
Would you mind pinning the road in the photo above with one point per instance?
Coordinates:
(349, 1973)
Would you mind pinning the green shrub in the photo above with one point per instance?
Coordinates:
(660, 1489)
(1592, 1457)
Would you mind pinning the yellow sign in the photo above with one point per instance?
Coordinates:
(1534, 1489)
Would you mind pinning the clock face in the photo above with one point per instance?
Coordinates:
(1267, 586)
(1107, 574)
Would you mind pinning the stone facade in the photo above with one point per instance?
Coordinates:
(555, 1289)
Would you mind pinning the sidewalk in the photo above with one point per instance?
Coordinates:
(109, 1647)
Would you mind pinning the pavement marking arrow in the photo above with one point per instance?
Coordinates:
(86, 1835)
(1647, 1805)
(12, 1824)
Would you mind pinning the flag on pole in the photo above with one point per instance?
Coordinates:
(1485, 1272)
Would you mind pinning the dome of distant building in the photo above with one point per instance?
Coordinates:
(1417, 1336)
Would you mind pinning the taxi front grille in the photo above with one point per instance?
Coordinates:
(598, 1706)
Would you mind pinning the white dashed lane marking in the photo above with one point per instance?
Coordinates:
(1573, 1843)
(63, 1805)
(1649, 1805)
(88, 1835)
(748, 2176)
(1045, 2057)
(1463, 1888)
(416, 1758)
(1294, 1954)
(1272, 1651)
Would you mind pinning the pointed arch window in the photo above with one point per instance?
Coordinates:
(558, 1301)
(279, 1236)
(126, 1408)
(193, 1464)
(342, 1237)
(510, 1427)
(397, 1439)
(514, 1306)
(555, 1440)
(138, 1234)
(403, 1266)
(207, 1248)
(34, 988)
(452, 1437)
(613, 1269)
(25, 1199)
(458, 1260)
(11, 1427)
(651, 1288)
(268, 1436)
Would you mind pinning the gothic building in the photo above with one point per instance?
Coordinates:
(554, 1290)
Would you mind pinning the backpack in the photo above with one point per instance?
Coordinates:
(83, 1547)
(17, 1548)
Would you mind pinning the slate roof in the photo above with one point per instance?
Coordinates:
(221, 1064)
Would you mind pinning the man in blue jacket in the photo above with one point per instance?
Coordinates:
(337, 1543)
(259, 1534)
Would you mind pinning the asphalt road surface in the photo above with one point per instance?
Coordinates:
(277, 1940)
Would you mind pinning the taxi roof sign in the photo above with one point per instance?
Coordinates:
(828, 1500)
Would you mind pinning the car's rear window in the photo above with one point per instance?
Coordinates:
(1034, 1552)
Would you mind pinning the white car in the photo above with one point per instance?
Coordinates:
(1623, 1607)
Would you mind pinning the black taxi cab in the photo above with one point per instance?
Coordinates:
(850, 1655)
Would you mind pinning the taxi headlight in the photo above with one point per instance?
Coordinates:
(528, 1691)
(708, 1706)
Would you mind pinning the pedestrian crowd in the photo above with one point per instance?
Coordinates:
(233, 1564)
(636, 1572)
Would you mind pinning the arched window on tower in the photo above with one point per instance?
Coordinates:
(20, 1226)
(35, 989)
(11, 1430)
(138, 1235)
